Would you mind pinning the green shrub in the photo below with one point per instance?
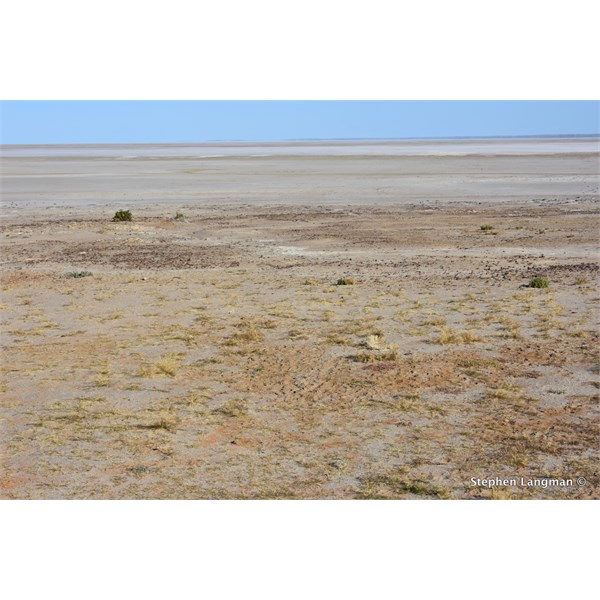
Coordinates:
(122, 215)
(345, 281)
(539, 282)
(486, 227)
(179, 216)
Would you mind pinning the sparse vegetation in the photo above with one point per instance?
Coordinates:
(397, 485)
(179, 216)
(511, 327)
(486, 227)
(297, 334)
(435, 321)
(122, 215)
(539, 282)
(78, 274)
(447, 335)
(504, 391)
(345, 281)
(247, 332)
(168, 365)
(235, 407)
(338, 340)
(269, 380)
(374, 341)
(164, 424)
(103, 380)
(389, 354)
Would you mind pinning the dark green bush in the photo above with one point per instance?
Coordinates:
(539, 282)
(122, 215)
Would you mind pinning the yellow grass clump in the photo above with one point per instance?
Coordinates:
(448, 335)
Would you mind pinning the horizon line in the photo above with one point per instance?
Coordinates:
(300, 140)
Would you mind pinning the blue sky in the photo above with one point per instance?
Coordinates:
(63, 122)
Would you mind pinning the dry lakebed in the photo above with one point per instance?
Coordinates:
(301, 321)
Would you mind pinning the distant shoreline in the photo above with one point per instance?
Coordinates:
(317, 148)
(318, 141)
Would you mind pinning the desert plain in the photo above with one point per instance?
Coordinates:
(349, 320)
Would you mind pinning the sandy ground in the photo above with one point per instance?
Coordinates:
(215, 355)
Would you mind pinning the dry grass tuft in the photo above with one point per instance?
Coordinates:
(163, 424)
(236, 407)
(374, 341)
(246, 333)
(511, 327)
(166, 365)
(389, 486)
(338, 340)
(389, 354)
(297, 334)
(448, 335)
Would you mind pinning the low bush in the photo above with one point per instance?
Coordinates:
(122, 215)
(539, 282)
(77, 274)
(345, 281)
